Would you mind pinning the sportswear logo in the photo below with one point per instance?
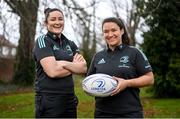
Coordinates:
(69, 50)
(124, 59)
(102, 61)
(55, 47)
(41, 42)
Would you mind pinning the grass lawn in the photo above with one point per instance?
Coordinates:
(17, 105)
(20, 104)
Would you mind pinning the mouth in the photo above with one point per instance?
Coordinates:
(58, 27)
(110, 39)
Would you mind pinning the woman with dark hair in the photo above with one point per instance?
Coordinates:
(56, 58)
(128, 65)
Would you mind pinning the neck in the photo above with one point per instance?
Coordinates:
(58, 35)
(112, 47)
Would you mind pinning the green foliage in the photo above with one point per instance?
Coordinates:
(161, 45)
(168, 87)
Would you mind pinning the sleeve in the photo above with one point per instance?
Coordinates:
(92, 69)
(74, 47)
(142, 64)
(43, 48)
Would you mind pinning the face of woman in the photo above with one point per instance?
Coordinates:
(55, 22)
(112, 34)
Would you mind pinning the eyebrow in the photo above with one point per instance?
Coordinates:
(57, 17)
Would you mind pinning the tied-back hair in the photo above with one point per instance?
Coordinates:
(49, 10)
(120, 23)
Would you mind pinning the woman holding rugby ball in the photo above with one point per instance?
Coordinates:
(128, 65)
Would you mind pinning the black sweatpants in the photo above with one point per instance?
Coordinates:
(55, 106)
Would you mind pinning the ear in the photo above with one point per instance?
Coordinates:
(122, 31)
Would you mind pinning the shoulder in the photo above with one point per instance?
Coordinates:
(70, 42)
(138, 52)
(133, 49)
(42, 38)
(42, 41)
(100, 53)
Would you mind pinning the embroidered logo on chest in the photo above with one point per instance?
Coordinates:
(69, 50)
(124, 61)
(102, 61)
(55, 47)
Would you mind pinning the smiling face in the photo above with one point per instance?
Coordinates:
(55, 22)
(112, 34)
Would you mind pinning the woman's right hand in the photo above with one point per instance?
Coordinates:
(122, 84)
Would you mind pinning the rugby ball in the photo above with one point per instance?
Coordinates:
(99, 85)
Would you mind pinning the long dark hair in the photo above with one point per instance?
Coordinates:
(120, 23)
(49, 10)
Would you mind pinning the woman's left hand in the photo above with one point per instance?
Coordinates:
(122, 84)
(78, 58)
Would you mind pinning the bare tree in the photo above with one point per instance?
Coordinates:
(4, 21)
(24, 65)
(132, 14)
(85, 26)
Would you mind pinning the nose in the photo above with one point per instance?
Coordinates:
(57, 22)
(110, 34)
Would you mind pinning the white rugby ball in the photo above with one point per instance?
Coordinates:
(99, 85)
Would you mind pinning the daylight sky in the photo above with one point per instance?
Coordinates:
(103, 10)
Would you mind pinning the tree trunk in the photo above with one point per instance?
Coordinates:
(24, 64)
